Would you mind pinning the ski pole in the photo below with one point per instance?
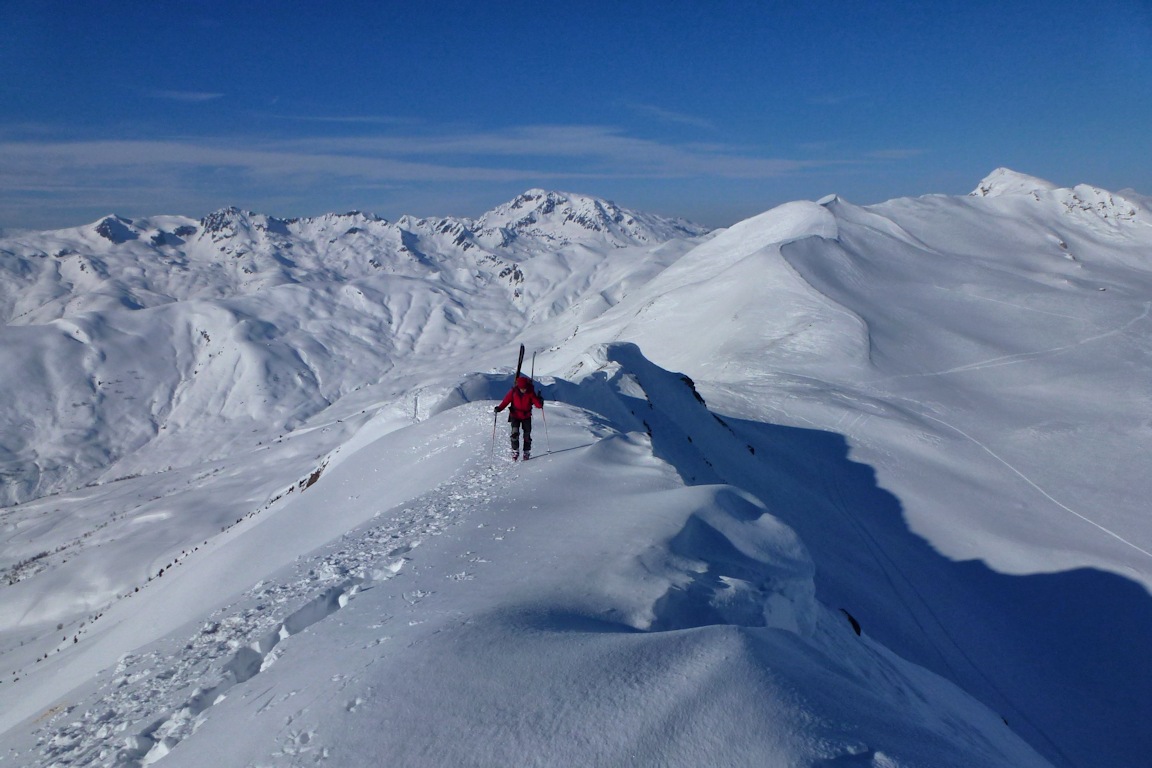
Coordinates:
(492, 451)
(547, 440)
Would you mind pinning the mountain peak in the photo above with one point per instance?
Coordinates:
(1005, 181)
(536, 195)
(537, 203)
(349, 216)
(229, 222)
(565, 217)
(1081, 199)
(116, 229)
(223, 220)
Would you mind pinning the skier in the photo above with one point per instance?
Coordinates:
(521, 398)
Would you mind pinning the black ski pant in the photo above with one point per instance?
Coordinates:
(517, 426)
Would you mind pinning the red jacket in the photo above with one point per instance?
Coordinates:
(521, 397)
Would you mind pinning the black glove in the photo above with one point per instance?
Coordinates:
(496, 409)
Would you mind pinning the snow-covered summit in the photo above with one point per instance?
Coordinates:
(560, 218)
(1078, 200)
(1005, 181)
(228, 223)
(115, 230)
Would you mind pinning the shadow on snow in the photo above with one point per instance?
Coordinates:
(1062, 657)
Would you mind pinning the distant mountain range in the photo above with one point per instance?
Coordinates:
(211, 288)
(141, 263)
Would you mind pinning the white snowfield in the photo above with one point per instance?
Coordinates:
(837, 486)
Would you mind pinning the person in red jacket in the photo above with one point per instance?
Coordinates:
(520, 400)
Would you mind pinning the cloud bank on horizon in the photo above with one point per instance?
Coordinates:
(714, 114)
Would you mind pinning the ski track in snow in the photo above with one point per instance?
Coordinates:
(1009, 360)
(1022, 356)
(240, 641)
(1021, 307)
(1036, 486)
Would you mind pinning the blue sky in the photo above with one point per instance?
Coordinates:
(714, 111)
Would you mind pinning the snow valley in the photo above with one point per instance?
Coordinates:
(835, 486)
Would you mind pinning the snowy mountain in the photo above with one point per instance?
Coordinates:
(835, 486)
(552, 218)
(162, 335)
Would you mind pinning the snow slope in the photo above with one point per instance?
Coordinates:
(988, 357)
(892, 519)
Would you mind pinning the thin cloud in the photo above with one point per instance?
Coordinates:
(190, 97)
(539, 152)
(346, 119)
(595, 150)
(838, 99)
(42, 162)
(669, 116)
(109, 175)
(895, 154)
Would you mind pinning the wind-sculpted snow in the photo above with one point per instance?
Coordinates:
(697, 601)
